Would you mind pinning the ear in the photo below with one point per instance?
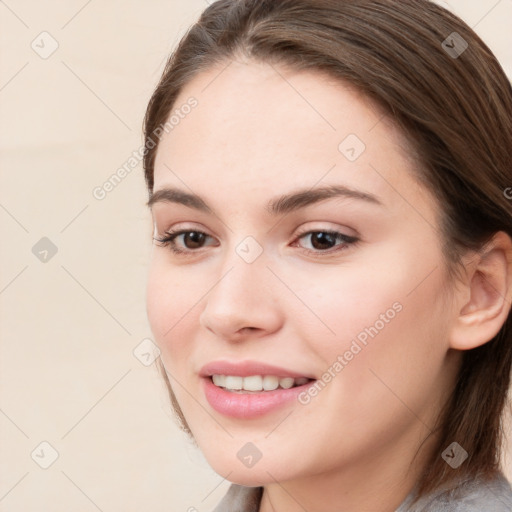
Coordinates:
(484, 298)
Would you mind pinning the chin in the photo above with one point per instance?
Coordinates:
(249, 477)
(260, 473)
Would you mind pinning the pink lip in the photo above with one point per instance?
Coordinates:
(249, 405)
(248, 368)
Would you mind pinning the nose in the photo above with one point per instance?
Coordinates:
(243, 303)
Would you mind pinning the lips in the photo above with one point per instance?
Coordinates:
(246, 404)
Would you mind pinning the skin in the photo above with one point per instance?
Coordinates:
(253, 137)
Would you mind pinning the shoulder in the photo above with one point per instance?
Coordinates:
(240, 499)
(493, 495)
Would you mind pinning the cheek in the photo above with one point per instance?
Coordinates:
(388, 308)
(391, 340)
(395, 346)
(342, 302)
(170, 301)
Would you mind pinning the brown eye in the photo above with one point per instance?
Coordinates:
(322, 240)
(183, 241)
(327, 241)
(193, 239)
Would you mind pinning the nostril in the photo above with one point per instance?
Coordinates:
(243, 329)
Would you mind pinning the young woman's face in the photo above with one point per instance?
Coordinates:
(342, 286)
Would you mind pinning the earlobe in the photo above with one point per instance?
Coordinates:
(488, 284)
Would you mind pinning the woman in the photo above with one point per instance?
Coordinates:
(330, 284)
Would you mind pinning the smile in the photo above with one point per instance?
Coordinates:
(250, 404)
(256, 383)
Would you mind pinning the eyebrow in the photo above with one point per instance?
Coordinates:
(279, 205)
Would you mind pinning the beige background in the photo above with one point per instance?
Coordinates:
(69, 326)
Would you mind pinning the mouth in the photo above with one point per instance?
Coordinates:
(250, 389)
(256, 383)
(254, 396)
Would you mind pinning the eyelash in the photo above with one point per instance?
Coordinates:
(169, 240)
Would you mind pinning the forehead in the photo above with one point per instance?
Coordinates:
(257, 126)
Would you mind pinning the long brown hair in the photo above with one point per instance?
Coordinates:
(442, 85)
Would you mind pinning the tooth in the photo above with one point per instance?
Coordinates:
(253, 383)
(287, 382)
(257, 382)
(270, 383)
(219, 380)
(232, 382)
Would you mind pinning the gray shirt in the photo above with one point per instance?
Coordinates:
(468, 496)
